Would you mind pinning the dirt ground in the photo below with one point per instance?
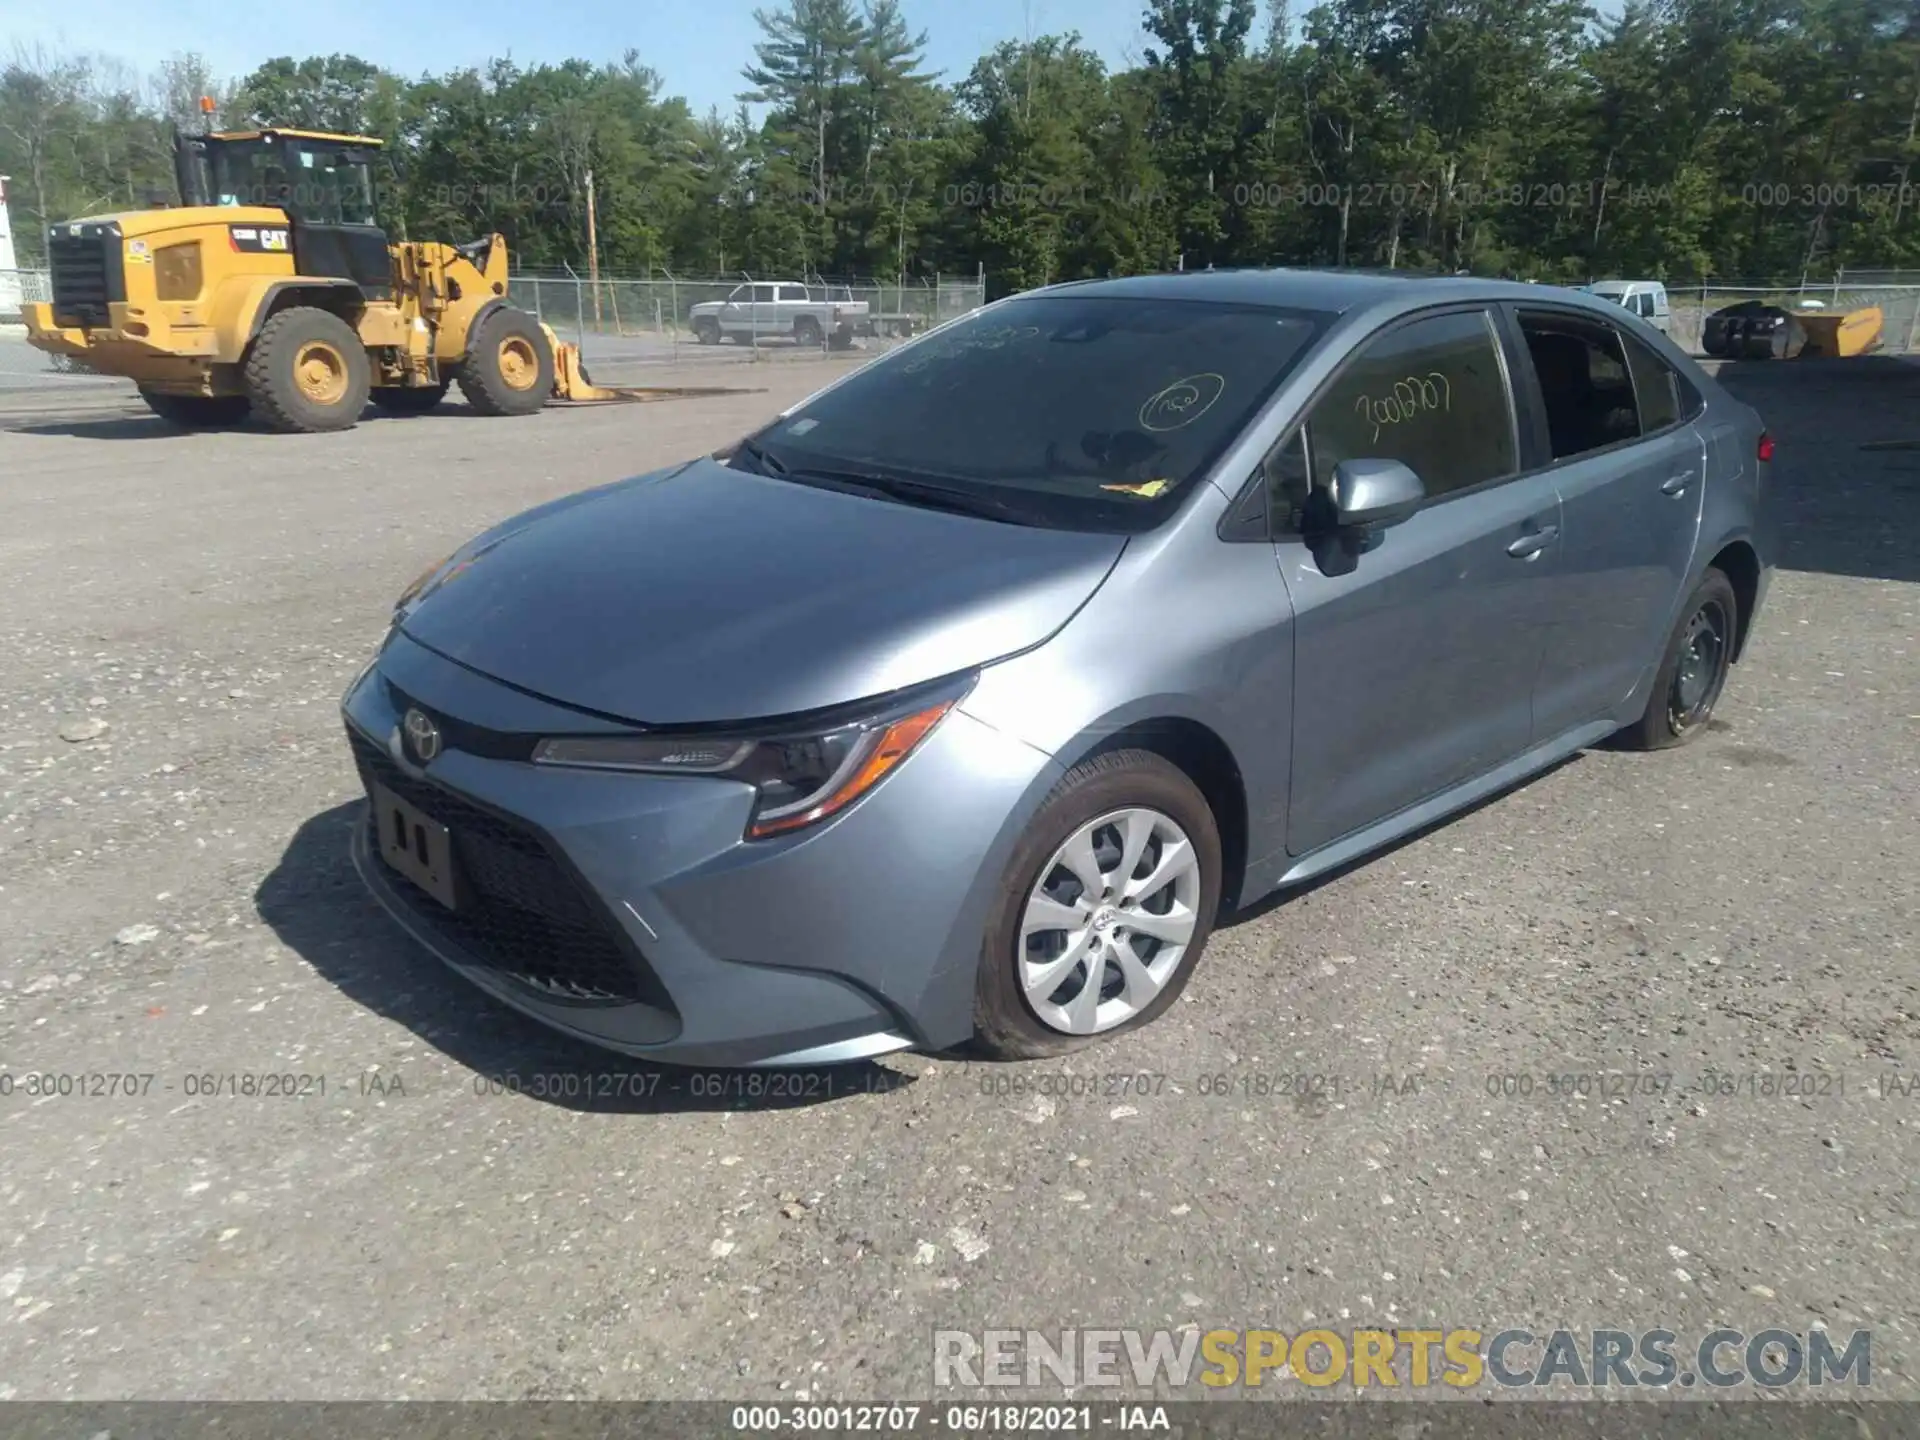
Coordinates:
(179, 616)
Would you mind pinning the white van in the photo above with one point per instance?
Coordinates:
(1645, 298)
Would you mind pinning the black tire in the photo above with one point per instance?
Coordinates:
(307, 371)
(1679, 706)
(508, 369)
(197, 412)
(806, 331)
(706, 330)
(1006, 1027)
(408, 399)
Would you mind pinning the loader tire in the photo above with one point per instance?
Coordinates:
(197, 412)
(307, 371)
(408, 399)
(508, 369)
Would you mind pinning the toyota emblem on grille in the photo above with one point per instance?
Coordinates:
(423, 736)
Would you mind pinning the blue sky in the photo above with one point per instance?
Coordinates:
(698, 46)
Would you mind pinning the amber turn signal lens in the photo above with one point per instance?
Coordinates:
(881, 752)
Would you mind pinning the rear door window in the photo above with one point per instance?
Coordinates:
(1585, 385)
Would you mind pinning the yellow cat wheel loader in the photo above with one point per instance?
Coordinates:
(271, 290)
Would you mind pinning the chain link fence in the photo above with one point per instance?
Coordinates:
(1899, 306)
(22, 287)
(631, 319)
(658, 313)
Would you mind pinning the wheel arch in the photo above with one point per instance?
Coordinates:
(1198, 751)
(451, 341)
(242, 309)
(1740, 563)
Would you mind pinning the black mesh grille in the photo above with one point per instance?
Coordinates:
(82, 278)
(522, 913)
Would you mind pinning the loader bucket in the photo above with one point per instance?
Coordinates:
(573, 386)
(1852, 332)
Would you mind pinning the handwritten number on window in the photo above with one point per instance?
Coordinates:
(1411, 395)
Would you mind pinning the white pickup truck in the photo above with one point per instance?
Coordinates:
(780, 309)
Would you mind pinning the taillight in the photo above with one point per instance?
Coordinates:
(1766, 447)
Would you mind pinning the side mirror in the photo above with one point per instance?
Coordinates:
(1372, 493)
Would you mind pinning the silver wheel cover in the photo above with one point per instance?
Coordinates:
(1108, 922)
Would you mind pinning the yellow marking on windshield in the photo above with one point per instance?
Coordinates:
(1146, 489)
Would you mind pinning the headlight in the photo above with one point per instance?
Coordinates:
(801, 777)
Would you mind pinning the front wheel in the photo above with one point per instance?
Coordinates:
(1104, 911)
(508, 367)
(1693, 671)
(706, 331)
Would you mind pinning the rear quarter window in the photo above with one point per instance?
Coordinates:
(1656, 388)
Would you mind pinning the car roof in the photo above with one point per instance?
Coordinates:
(1337, 291)
(1616, 287)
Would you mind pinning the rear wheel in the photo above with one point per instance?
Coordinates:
(509, 365)
(408, 399)
(806, 331)
(307, 371)
(1693, 671)
(1104, 911)
(197, 412)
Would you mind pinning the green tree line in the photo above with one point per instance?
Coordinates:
(1537, 138)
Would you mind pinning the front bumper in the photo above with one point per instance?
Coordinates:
(847, 941)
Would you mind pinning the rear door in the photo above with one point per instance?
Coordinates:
(1415, 654)
(766, 310)
(793, 304)
(1607, 415)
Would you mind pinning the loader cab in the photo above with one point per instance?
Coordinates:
(323, 182)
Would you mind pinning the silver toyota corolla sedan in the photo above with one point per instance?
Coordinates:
(960, 699)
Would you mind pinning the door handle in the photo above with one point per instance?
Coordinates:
(1532, 543)
(1677, 484)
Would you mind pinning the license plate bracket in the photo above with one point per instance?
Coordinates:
(416, 845)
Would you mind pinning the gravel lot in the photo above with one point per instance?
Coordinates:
(176, 901)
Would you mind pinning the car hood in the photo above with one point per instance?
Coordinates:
(703, 594)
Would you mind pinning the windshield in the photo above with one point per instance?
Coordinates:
(324, 183)
(1086, 412)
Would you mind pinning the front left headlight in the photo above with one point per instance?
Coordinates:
(800, 777)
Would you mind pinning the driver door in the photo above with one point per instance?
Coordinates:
(1415, 649)
(736, 316)
(331, 214)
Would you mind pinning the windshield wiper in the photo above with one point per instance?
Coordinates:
(762, 462)
(877, 485)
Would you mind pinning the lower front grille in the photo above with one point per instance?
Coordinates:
(523, 913)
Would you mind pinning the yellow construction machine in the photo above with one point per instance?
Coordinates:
(272, 290)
